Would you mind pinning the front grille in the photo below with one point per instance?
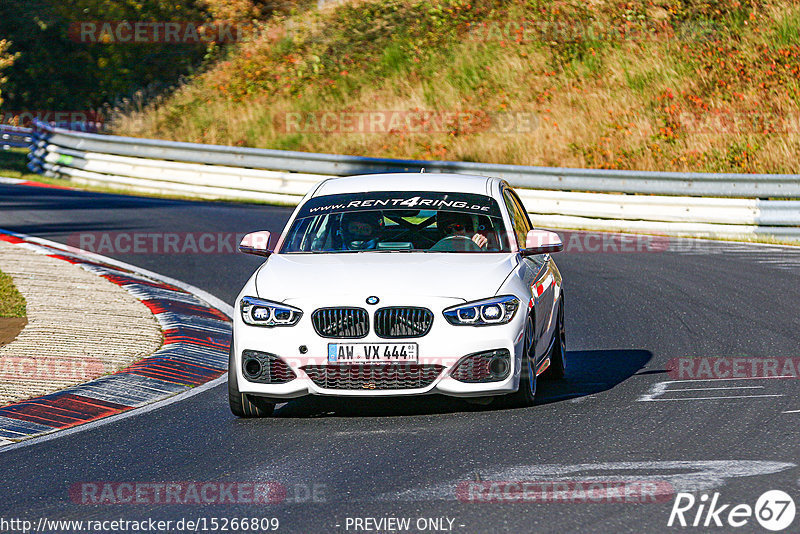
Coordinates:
(273, 370)
(402, 322)
(347, 323)
(389, 376)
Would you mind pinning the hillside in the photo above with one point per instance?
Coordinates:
(705, 85)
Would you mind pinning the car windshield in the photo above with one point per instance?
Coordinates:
(398, 222)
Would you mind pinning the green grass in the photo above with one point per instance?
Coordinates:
(13, 164)
(395, 59)
(595, 74)
(12, 303)
(786, 31)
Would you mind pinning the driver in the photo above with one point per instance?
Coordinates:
(452, 224)
(360, 230)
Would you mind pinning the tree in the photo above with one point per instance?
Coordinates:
(56, 71)
(6, 60)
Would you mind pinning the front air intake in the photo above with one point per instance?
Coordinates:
(265, 368)
(489, 366)
(378, 377)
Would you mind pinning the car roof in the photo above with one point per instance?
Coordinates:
(406, 181)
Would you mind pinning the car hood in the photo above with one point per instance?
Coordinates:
(462, 276)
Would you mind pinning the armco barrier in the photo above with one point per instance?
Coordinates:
(675, 203)
(14, 137)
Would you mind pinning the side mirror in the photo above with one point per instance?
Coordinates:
(256, 243)
(541, 242)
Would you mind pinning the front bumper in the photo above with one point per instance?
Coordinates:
(443, 346)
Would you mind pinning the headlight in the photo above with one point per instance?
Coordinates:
(496, 310)
(258, 312)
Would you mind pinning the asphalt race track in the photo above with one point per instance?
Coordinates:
(619, 415)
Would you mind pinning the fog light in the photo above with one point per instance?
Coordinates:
(252, 368)
(498, 366)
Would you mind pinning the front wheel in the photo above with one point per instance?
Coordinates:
(526, 394)
(243, 404)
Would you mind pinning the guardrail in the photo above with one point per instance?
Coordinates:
(727, 205)
(15, 137)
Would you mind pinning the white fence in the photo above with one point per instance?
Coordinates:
(14, 137)
(715, 205)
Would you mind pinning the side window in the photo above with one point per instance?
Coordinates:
(519, 219)
(523, 214)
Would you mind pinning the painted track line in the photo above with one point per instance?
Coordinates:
(695, 380)
(714, 389)
(712, 398)
(659, 389)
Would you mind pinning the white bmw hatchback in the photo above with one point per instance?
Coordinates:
(399, 284)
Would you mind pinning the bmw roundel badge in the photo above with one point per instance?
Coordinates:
(373, 300)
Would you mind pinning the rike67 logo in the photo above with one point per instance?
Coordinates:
(774, 510)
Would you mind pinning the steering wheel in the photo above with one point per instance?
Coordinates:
(358, 245)
(456, 243)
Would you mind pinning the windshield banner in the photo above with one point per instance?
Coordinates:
(402, 200)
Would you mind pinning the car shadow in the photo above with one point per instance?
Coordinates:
(588, 372)
(592, 371)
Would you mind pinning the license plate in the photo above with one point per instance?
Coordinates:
(371, 352)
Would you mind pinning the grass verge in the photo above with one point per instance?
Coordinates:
(671, 85)
(12, 303)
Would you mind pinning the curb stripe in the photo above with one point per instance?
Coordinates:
(125, 279)
(194, 352)
(183, 308)
(19, 428)
(127, 389)
(61, 410)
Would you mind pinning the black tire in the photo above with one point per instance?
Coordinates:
(242, 404)
(558, 354)
(526, 394)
